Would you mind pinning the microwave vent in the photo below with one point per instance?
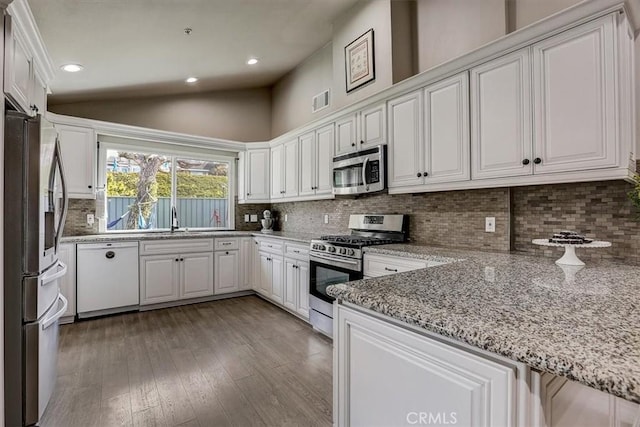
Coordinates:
(320, 101)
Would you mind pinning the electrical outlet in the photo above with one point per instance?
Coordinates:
(490, 224)
(326, 218)
(90, 220)
(254, 218)
(490, 274)
(246, 217)
(286, 217)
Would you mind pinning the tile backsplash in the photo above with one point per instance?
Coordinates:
(453, 219)
(76, 224)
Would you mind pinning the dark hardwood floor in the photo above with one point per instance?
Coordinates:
(239, 361)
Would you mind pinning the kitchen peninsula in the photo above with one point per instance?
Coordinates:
(488, 337)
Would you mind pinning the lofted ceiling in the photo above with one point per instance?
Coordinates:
(138, 47)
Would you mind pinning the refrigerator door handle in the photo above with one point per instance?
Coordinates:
(65, 195)
(53, 319)
(61, 268)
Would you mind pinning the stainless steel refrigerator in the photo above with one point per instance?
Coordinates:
(35, 204)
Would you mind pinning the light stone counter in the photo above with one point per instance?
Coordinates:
(582, 325)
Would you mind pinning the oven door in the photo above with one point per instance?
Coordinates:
(323, 275)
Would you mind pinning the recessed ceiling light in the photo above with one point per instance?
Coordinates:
(191, 80)
(72, 68)
(252, 61)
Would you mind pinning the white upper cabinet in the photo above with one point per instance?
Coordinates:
(18, 66)
(316, 153)
(346, 135)
(574, 81)
(290, 175)
(39, 94)
(446, 120)
(361, 130)
(78, 146)
(284, 170)
(257, 174)
(277, 172)
(406, 148)
(501, 141)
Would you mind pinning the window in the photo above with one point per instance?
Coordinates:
(142, 187)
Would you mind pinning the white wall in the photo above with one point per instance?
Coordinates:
(447, 29)
(291, 96)
(240, 115)
(525, 12)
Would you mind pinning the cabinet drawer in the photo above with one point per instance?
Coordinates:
(158, 247)
(268, 245)
(375, 265)
(227, 244)
(296, 250)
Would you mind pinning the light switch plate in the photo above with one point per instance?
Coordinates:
(90, 220)
(490, 224)
(286, 217)
(246, 218)
(326, 218)
(254, 218)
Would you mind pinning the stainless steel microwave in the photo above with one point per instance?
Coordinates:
(361, 172)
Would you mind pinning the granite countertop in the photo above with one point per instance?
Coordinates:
(163, 235)
(583, 325)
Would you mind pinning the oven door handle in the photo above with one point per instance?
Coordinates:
(364, 170)
(330, 258)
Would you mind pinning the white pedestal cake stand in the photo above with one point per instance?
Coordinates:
(569, 257)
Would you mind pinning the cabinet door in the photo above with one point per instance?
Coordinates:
(290, 178)
(227, 269)
(256, 266)
(159, 277)
(277, 279)
(39, 94)
(290, 283)
(266, 277)
(18, 66)
(324, 159)
(373, 126)
(308, 164)
(501, 141)
(386, 375)
(405, 140)
(302, 293)
(242, 177)
(78, 147)
(345, 135)
(246, 263)
(257, 174)
(68, 281)
(574, 84)
(197, 275)
(446, 108)
(277, 175)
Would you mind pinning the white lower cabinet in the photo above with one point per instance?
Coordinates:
(227, 272)
(296, 292)
(387, 375)
(271, 284)
(172, 270)
(246, 263)
(559, 402)
(67, 255)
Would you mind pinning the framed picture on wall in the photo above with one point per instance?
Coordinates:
(359, 61)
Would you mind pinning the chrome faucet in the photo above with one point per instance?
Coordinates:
(174, 219)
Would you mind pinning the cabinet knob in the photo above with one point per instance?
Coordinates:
(177, 260)
(426, 174)
(525, 162)
(247, 194)
(361, 142)
(537, 160)
(418, 174)
(353, 144)
(89, 186)
(226, 253)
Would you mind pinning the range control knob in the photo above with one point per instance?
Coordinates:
(331, 249)
(350, 252)
(343, 251)
(321, 247)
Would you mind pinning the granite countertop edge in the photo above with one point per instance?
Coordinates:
(616, 376)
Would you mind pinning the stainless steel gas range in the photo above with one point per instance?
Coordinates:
(338, 259)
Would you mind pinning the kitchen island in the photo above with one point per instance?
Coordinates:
(581, 325)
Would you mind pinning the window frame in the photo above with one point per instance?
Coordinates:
(101, 208)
